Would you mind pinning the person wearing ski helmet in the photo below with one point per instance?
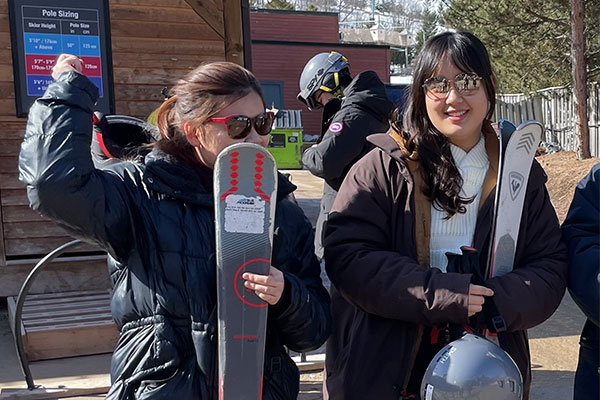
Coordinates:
(472, 368)
(353, 108)
(581, 233)
(156, 221)
(324, 73)
(426, 191)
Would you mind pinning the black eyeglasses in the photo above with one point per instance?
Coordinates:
(465, 84)
(239, 126)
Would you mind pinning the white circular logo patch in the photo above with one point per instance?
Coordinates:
(335, 127)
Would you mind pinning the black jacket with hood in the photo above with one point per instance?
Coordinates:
(156, 221)
(581, 232)
(365, 109)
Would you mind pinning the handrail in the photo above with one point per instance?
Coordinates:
(19, 308)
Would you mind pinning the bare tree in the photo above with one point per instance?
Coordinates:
(582, 130)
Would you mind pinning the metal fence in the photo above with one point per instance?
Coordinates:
(555, 109)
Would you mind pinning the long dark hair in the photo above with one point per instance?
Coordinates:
(442, 179)
(198, 96)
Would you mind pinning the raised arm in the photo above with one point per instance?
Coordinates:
(56, 165)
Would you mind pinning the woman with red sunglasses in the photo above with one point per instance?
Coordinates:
(156, 221)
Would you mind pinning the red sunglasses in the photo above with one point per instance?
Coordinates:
(239, 126)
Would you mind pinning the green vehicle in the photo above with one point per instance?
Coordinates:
(285, 143)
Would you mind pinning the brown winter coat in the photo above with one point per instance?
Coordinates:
(382, 296)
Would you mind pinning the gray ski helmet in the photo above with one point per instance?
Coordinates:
(314, 74)
(472, 368)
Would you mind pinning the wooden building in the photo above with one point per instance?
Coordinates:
(154, 42)
(284, 41)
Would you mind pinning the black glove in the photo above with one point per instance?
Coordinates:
(468, 263)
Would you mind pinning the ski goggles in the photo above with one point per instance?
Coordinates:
(465, 84)
(239, 126)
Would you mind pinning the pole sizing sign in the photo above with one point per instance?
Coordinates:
(41, 30)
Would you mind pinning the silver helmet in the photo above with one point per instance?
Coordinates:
(321, 73)
(472, 368)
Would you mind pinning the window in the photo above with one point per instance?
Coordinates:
(273, 92)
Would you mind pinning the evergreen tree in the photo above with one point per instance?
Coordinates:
(279, 5)
(529, 42)
(430, 25)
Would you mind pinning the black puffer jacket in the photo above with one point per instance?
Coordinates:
(365, 109)
(157, 223)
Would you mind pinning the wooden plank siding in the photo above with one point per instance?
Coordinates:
(2, 244)
(21, 214)
(66, 324)
(211, 15)
(11, 135)
(233, 31)
(555, 109)
(154, 43)
(81, 273)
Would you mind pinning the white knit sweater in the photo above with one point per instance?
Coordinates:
(449, 235)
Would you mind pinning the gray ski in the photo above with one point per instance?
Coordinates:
(517, 150)
(245, 186)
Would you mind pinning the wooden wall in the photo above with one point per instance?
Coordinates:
(154, 42)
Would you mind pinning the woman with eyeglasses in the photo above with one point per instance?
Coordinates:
(426, 190)
(156, 221)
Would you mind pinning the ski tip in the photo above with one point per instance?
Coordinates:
(531, 124)
(505, 132)
(506, 127)
(261, 151)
